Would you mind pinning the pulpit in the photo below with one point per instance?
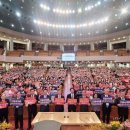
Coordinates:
(65, 120)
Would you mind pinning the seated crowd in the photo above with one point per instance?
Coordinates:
(100, 88)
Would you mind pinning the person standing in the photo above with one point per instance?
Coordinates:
(31, 103)
(71, 107)
(84, 104)
(18, 102)
(122, 107)
(96, 105)
(44, 100)
(3, 108)
(59, 106)
(106, 106)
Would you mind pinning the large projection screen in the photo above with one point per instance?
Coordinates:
(68, 57)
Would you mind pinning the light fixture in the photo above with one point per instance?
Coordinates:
(100, 21)
(124, 10)
(18, 14)
(0, 3)
(79, 10)
(12, 25)
(1, 21)
(45, 7)
(22, 28)
(116, 27)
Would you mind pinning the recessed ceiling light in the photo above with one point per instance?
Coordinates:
(116, 27)
(32, 31)
(12, 25)
(98, 2)
(79, 10)
(116, 15)
(72, 35)
(1, 21)
(0, 3)
(124, 10)
(22, 28)
(126, 24)
(18, 14)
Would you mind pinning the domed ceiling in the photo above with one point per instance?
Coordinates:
(65, 18)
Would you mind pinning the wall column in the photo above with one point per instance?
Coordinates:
(11, 45)
(61, 47)
(45, 47)
(29, 46)
(75, 48)
(128, 43)
(92, 48)
(109, 45)
(7, 45)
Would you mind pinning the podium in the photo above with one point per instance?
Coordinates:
(64, 120)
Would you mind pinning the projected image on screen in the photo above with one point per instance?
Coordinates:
(68, 57)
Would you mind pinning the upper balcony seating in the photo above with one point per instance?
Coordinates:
(55, 53)
(108, 52)
(123, 52)
(94, 53)
(1, 51)
(42, 53)
(14, 53)
(29, 53)
(81, 53)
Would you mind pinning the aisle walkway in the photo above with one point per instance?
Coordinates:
(67, 86)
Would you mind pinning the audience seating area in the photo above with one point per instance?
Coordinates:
(14, 53)
(18, 53)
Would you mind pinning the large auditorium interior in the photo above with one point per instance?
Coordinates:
(64, 64)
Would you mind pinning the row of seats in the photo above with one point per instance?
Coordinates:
(18, 53)
(103, 53)
(34, 53)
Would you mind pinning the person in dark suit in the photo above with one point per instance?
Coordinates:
(83, 107)
(96, 107)
(122, 110)
(32, 108)
(18, 102)
(59, 107)
(106, 107)
(44, 100)
(71, 108)
(4, 108)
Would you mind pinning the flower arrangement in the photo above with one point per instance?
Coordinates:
(114, 125)
(5, 126)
